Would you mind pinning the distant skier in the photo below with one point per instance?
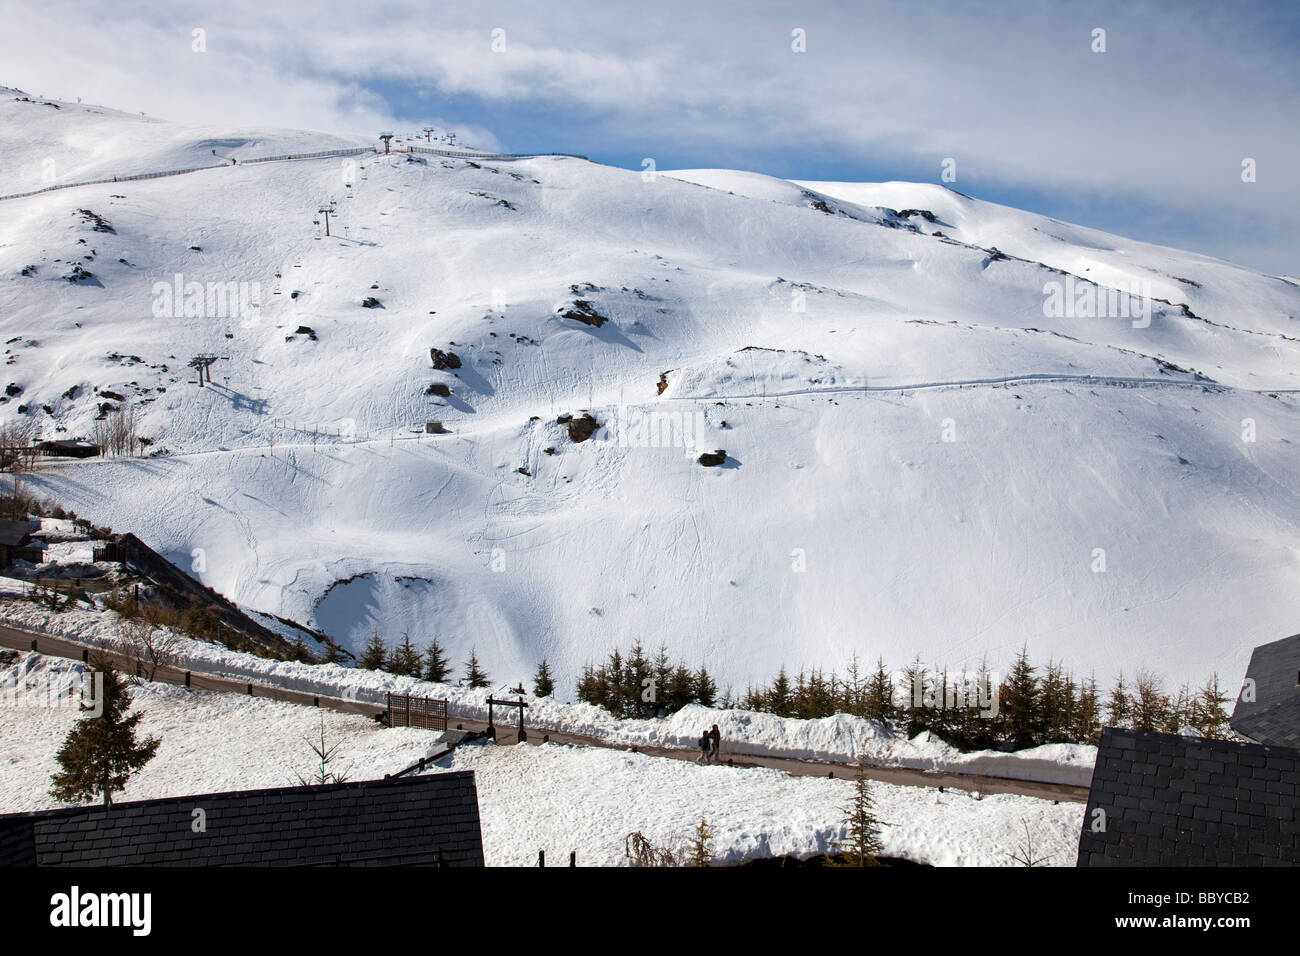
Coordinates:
(705, 740)
(715, 742)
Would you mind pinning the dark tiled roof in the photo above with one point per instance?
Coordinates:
(12, 533)
(430, 819)
(1185, 801)
(1273, 717)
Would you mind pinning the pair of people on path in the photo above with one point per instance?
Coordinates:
(710, 745)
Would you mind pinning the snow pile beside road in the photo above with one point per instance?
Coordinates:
(215, 742)
(837, 739)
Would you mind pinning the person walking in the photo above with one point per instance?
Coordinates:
(715, 743)
(704, 748)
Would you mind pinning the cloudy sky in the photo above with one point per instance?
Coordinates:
(1147, 138)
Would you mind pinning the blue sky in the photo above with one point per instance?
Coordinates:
(1146, 139)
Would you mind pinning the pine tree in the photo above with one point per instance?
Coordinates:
(405, 659)
(1087, 714)
(701, 852)
(1151, 707)
(474, 675)
(101, 752)
(1020, 703)
(706, 691)
(375, 654)
(436, 668)
(779, 698)
(918, 685)
(543, 685)
(878, 699)
(862, 843)
(1211, 718)
(1119, 709)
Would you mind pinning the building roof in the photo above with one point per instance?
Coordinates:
(1167, 800)
(1273, 717)
(430, 819)
(12, 533)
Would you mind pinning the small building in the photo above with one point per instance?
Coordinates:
(1268, 707)
(16, 542)
(67, 448)
(1169, 800)
(426, 820)
(434, 428)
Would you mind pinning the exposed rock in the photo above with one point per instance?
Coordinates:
(444, 360)
(584, 313)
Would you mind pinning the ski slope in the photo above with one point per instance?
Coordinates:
(920, 460)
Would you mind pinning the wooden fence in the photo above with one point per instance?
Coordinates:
(428, 713)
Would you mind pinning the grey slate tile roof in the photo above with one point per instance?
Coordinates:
(1168, 800)
(1273, 717)
(430, 819)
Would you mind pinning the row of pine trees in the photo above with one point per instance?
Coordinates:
(1031, 705)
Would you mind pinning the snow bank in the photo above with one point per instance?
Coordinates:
(556, 798)
(836, 739)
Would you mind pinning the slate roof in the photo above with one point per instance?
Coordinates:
(1273, 717)
(12, 533)
(431, 819)
(1186, 801)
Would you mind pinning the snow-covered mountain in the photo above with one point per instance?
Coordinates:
(951, 428)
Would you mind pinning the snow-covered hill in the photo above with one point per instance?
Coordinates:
(924, 454)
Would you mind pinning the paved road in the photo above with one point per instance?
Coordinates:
(507, 733)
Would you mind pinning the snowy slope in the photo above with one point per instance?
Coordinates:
(830, 353)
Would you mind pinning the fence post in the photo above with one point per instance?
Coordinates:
(187, 678)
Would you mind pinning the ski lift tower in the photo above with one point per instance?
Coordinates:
(428, 134)
(202, 364)
(326, 210)
(387, 137)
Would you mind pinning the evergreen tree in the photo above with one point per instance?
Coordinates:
(1057, 704)
(1151, 707)
(1119, 709)
(474, 675)
(405, 659)
(1211, 718)
(918, 685)
(1086, 725)
(436, 668)
(862, 843)
(878, 699)
(780, 700)
(374, 656)
(1020, 704)
(101, 753)
(706, 691)
(701, 851)
(543, 685)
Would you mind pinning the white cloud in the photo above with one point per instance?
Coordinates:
(1012, 91)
